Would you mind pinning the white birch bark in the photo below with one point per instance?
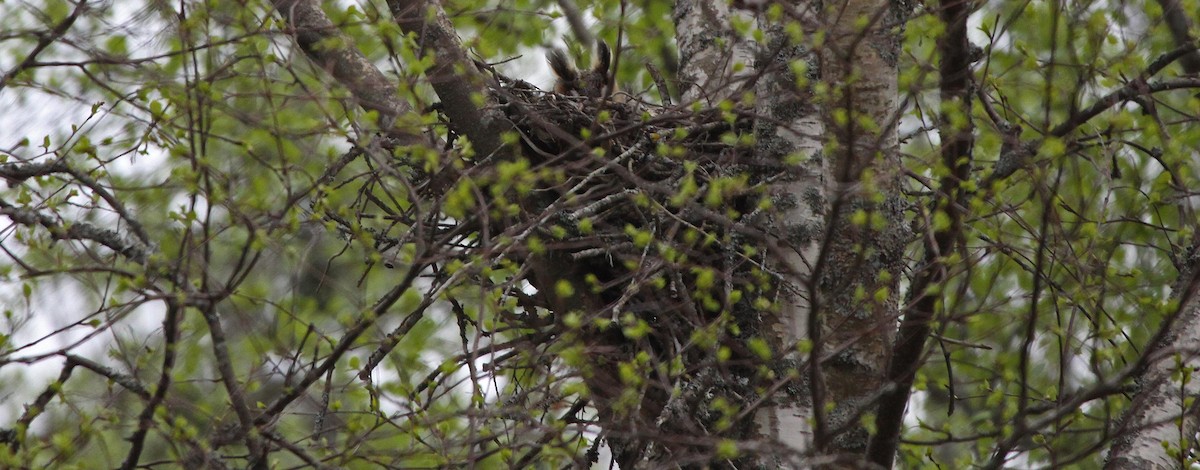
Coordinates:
(1165, 416)
(789, 142)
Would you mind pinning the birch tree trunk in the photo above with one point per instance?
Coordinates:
(859, 270)
(825, 135)
(1160, 427)
(709, 284)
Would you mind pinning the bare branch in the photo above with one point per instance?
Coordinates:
(146, 418)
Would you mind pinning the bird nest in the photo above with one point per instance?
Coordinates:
(644, 200)
(645, 211)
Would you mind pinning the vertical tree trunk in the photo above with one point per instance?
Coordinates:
(1163, 421)
(1160, 427)
(810, 145)
(861, 262)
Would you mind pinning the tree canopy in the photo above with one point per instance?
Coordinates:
(841, 234)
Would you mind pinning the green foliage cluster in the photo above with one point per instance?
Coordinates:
(262, 199)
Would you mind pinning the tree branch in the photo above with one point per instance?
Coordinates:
(249, 435)
(454, 77)
(133, 250)
(18, 172)
(329, 49)
(146, 418)
(1181, 28)
(129, 382)
(46, 40)
(1134, 88)
(1016, 153)
(344, 344)
(956, 153)
(16, 436)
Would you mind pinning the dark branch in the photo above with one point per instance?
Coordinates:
(329, 49)
(454, 77)
(133, 250)
(957, 146)
(47, 39)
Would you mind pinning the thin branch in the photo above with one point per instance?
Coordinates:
(956, 152)
(33, 410)
(296, 450)
(19, 172)
(237, 398)
(1015, 152)
(146, 418)
(46, 40)
(1134, 88)
(134, 225)
(343, 345)
(126, 381)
